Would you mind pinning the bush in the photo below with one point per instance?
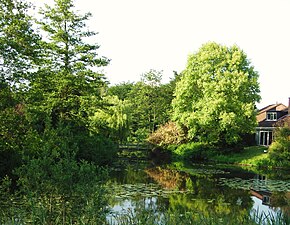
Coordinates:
(167, 134)
(192, 151)
(54, 185)
(279, 151)
(96, 149)
(139, 136)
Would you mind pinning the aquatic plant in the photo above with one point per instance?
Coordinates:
(142, 216)
(262, 185)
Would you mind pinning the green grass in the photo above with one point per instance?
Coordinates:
(249, 156)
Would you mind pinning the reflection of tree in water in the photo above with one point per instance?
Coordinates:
(281, 200)
(195, 195)
(131, 174)
(203, 195)
(167, 178)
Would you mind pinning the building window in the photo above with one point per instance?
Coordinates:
(266, 138)
(271, 116)
(266, 200)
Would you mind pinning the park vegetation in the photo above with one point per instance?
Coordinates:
(61, 122)
(279, 150)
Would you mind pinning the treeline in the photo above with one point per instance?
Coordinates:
(55, 103)
(52, 143)
(61, 121)
(147, 103)
(50, 90)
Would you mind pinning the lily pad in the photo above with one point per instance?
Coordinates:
(261, 185)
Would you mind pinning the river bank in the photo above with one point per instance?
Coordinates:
(250, 156)
(254, 156)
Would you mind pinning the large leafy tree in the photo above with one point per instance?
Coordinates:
(216, 96)
(150, 101)
(121, 90)
(114, 119)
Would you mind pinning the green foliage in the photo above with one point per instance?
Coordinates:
(66, 49)
(12, 130)
(18, 43)
(216, 95)
(150, 217)
(139, 136)
(151, 104)
(192, 151)
(65, 87)
(55, 185)
(66, 92)
(279, 150)
(23, 207)
(121, 90)
(144, 99)
(113, 119)
(96, 149)
(147, 104)
(254, 155)
(48, 85)
(18, 55)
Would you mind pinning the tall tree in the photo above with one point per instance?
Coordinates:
(18, 56)
(150, 104)
(67, 88)
(216, 96)
(121, 90)
(114, 119)
(67, 84)
(18, 43)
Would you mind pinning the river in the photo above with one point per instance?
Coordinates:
(198, 188)
(142, 192)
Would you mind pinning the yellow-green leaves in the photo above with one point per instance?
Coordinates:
(216, 95)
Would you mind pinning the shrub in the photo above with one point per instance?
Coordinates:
(192, 151)
(55, 185)
(96, 149)
(279, 151)
(167, 134)
(139, 136)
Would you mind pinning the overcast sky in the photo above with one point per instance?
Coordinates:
(139, 35)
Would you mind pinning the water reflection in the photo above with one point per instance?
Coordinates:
(200, 189)
(270, 196)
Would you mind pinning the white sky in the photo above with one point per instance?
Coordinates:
(139, 35)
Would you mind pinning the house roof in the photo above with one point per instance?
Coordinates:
(261, 114)
(272, 107)
(266, 123)
(283, 117)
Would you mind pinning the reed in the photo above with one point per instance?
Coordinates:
(149, 217)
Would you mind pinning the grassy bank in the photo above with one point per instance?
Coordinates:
(253, 156)
(257, 156)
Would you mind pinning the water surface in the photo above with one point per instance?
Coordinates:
(203, 189)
